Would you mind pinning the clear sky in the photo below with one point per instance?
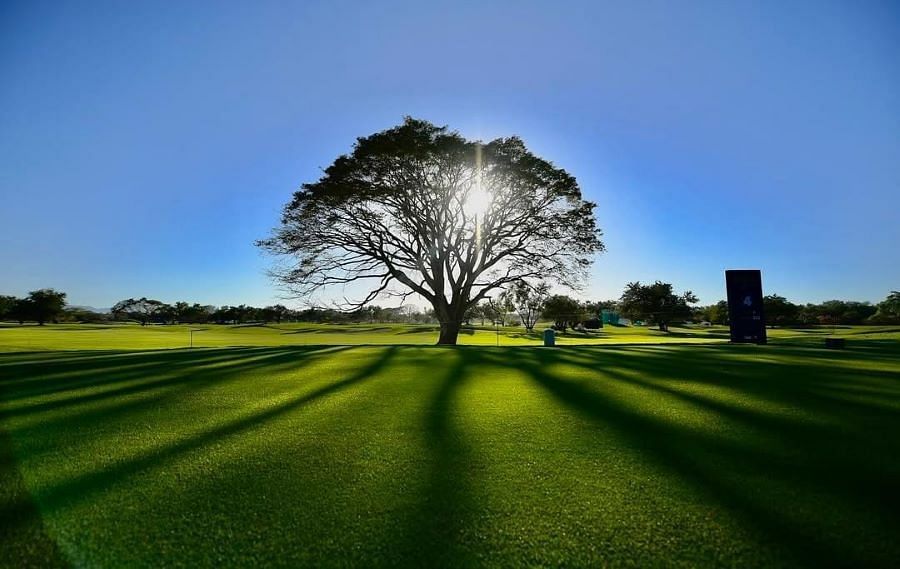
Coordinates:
(144, 146)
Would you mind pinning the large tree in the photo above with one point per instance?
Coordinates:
(418, 209)
(657, 303)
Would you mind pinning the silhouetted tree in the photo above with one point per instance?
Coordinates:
(656, 302)
(497, 308)
(475, 312)
(7, 306)
(780, 311)
(418, 209)
(563, 310)
(45, 305)
(144, 309)
(276, 312)
(888, 310)
(528, 301)
(719, 313)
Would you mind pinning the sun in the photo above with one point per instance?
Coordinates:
(478, 201)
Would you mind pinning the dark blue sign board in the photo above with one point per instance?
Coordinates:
(745, 306)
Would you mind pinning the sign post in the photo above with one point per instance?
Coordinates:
(745, 306)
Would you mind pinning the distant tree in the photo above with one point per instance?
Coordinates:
(244, 313)
(564, 311)
(718, 313)
(888, 310)
(497, 308)
(595, 309)
(166, 314)
(280, 311)
(7, 306)
(857, 312)
(656, 303)
(46, 304)
(418, 209)
(528, 301)
(846, 312)
(180, 311)
(476, 312)
(143, 309)
(830, 312)
(191, 313)
(780, 311)
(809, 315)
(18, 309)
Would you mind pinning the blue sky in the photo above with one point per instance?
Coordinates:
(144, 146)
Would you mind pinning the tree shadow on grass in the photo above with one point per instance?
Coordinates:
(337, 329)
(429, 329)
(802, 487)
(162, 373)
(80, 487)
(158, 373)
(700, 335)
(436, 533)
(23, 379)
(23, 540)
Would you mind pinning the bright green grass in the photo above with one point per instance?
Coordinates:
(716, 455)
(134, 337)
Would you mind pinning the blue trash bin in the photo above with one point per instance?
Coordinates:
(549, 337)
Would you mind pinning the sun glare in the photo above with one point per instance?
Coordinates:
(478, 200)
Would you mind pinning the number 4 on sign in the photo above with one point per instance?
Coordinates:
(748, 301)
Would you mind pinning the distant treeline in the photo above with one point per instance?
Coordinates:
(49, 305)
(653, 303)
(779, 311)
(150, 311)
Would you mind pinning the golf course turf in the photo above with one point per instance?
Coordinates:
(623, 455)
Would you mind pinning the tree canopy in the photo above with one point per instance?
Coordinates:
(43, 305)
(656, 302)
(888, 310)
(779, 311)
(528, 301)
(564, 311)
(419, 209)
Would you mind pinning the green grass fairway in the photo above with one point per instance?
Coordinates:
(643, 455)
(134, 337)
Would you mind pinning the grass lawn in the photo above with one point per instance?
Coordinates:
(134, 337)
(640, 455)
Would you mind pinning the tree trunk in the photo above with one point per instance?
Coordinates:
(449, 333)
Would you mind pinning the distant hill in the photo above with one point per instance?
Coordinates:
(91, 308)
